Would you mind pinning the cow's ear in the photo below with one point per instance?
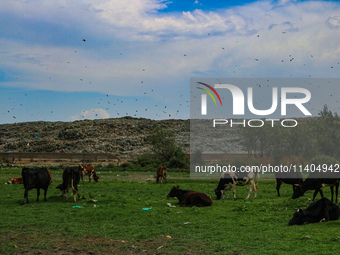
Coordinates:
(177, 187)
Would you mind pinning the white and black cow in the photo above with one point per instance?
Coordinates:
(35, 178)
(318, 211)
(71, 178)
(229, 180)
(318, 180)
(289, 178)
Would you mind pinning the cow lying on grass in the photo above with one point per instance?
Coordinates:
(15, 180)
(318, 211)
(189, 197)
(35, 178)
(71, 178)
(161, 174)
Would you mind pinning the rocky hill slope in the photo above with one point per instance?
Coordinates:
(124, 137)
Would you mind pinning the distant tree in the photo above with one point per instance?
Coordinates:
(164, 144)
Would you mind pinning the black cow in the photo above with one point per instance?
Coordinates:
(35, 178)
(230, 180)
(316, 181)
(318, 211)
(71, 178)
(289, 178)
(189, 197)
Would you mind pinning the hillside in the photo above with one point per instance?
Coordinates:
(124, 137)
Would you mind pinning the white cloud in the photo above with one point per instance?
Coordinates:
(333, 22)
(92, 114)
(126, 37)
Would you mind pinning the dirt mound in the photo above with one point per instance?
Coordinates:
(124, 137)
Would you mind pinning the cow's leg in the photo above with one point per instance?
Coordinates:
(336, 191)
(255, 189)
(25, 197)
(45, 193)
(234, 191)
(66, 194)
(38, 194)
(316, 192)
(223, 194)
(332, 192)
(250, 189)
(278, 185)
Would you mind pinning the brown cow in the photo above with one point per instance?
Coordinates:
(15, 180)
(87, 170)
(190, 198)
(161, 174)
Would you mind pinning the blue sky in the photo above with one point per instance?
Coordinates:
(138, 56)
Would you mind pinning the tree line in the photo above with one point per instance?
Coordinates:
(311, 137)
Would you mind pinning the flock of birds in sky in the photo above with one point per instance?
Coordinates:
(161, 111)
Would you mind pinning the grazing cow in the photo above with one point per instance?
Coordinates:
(161, 174)
(88, 170)
(289, 178)
(15, 180)
(71, 178)
(189, 197)
(35, 178)
(230, 180)
(316, 181)
(318, 211)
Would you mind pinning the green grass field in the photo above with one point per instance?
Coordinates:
(117, 223)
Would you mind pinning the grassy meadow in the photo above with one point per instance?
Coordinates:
(110, 219)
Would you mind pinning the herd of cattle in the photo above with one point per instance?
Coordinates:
(40, 178)
(319, 211)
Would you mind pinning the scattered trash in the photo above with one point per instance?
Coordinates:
(186, 223)
(170, 205)
(167, 236)
(248, 202)
(147, 209)
(77, 206)
(94, 201)
(160, 247)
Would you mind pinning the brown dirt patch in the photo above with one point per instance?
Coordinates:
(68, 245)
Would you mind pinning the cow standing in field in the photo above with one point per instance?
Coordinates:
(35, 178)
(289, 178)
(71, 178)
(318, 180)
(189, 197)
(318, 211)
(229, 180)
(88, 170)
(161, 174)
(15, 180)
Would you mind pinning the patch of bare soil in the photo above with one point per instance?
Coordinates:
(66, 245)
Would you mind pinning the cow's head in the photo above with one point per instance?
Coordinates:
(62, 191)
(174, 192)
(299, 218)
(298, 192)
(95, 177)
(218, 193)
